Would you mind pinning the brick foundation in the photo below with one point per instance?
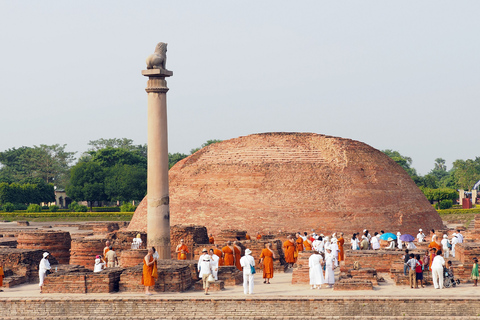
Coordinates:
(57, 243)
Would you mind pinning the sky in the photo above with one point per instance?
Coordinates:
(400, 75)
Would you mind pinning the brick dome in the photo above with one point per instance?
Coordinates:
(294, 181)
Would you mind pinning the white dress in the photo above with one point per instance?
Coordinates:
(411, 246)
(375, 243)
(445, 247)
(400, 243)
(316, 271)
(329, 272)
(454, 242)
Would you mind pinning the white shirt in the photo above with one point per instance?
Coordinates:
(44, 265)
(420, 237)
(215, 260)
(354, 243)
(204, 265)
(410, 246)
(98, 265)
(246, 261)
(460, 237)
(375, 243)
(445, 243)
(438, 262)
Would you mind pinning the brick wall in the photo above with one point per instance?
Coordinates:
(158, 307)
(57, 243)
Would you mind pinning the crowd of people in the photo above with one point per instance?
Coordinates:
(328, 251)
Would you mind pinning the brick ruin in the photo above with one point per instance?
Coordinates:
(21, 264)
(294, 181)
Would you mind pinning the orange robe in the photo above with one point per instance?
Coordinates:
(259, 236)
(435, 245)
(299, 242)
(182, 256)
(238, 255)
(247, 237)
(1, 276)
(228, 256)
(147, 279)
(341, 254)
(307, 245)
(267, 256)
(289, 249)
(211, 240)
(218, 252)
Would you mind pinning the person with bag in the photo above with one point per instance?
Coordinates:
(248, 264)
(205, 268)
(148, 274)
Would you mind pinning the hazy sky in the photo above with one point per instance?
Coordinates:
(400, 75)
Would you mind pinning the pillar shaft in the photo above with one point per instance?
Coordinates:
(158, 210)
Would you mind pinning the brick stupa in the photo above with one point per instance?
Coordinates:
(294, 181)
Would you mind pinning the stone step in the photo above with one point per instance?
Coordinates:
(215, 286)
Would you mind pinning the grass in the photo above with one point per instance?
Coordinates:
(71, 216)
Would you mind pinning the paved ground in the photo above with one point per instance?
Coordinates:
(280, 287)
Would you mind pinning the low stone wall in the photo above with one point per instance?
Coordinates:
(123, 308)
(381, 260)
(83, 281)
(84, 250)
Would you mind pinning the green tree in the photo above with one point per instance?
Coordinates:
(87, 182)
(126, 182)
(466, 173)
(50, 163)
(116, 143)
(109, 157)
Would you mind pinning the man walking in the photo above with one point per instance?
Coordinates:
(412, 273)
(248, 263)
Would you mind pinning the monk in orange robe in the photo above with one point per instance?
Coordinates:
(340, 243)
(106, 249)
(147, 276)
(307, 245)
(289, 249)
(182, 251)
(299, 243)
(211, 239)
(228, 256)
(247, 236)
(219, 253)
(238, 254)
(259, 236)
(267, 257)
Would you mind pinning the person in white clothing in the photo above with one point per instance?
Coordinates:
(42, 269)
(355, 242)
(329, 268)
(420, 236)
(400, 242)
(99, 264)
(317, 244)
(205, 266)
(445, 248)
(248, 263)
(215, 260)
(411, 246)
(433, 235)
(459, 236)
(374, 242)
(454, 242)
(437, 270)
(335, 250)
(315, 263)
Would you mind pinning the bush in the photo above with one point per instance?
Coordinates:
(459, 211)
(53, 208)
(127, 207)
(75, 207)
(105, 209)
(20, 206)
(445, 204)
(8, 207)
(34, 208)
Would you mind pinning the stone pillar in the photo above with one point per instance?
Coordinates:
(158, 209)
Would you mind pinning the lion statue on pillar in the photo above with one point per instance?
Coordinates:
(158, 60)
